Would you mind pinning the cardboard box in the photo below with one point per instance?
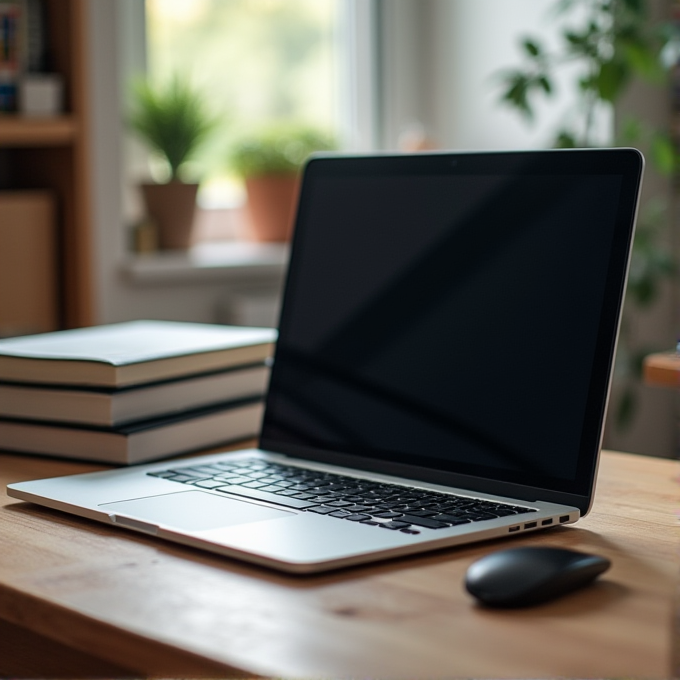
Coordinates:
(28, 263)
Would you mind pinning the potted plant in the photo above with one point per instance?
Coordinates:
(172, 120)
(269, 163)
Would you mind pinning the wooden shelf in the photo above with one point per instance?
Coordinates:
(16, 131)
(662, 369)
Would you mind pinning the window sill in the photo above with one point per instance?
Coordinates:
(227, 261)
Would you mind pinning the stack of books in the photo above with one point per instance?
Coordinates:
(23, 47)
(132, 392)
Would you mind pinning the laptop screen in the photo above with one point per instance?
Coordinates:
(455, 312)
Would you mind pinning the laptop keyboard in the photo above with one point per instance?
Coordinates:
(388, 506)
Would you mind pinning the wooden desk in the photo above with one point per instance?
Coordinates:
(81, 599)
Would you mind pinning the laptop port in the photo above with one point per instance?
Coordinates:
(511, 529)
(546, 522)
(531, 525)
(564, 518)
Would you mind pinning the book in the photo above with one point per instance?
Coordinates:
(11, 23)
(23, 48)
(110, 407)
(131, 353)
(139, 442)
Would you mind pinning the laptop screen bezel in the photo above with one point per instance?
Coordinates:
(628, 163)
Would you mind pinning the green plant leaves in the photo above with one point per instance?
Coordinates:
(518, 86)
(611, 79)
(664, 154)
(566, 140)
(281, 149)
(651, 262)
(171, 119)
(531, 47)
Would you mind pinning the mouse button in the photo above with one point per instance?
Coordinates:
(588, 566)
(495, 567)
(516, 565)
(499, 581)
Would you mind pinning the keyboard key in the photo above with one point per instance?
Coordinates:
(183, 478)
(357, 517)
(326, 499)
(260, 495)
(473, 516)
(395, 525)
(424, 522)
(321, 510)
(451, 518)
(233, 479)
(254, 485)
(209, 483)
(481, 516)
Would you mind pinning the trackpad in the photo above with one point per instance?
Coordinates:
(193, 510)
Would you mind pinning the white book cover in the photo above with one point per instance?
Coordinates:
(131, 352)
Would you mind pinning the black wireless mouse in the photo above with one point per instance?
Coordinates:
(522, 577)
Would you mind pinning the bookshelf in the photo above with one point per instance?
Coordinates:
(51, 154)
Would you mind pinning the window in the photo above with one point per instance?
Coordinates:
(256, 62)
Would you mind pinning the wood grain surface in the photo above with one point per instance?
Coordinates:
(140, 605)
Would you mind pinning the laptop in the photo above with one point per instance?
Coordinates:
(446, 343)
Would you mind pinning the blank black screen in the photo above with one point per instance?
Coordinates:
(448, 318)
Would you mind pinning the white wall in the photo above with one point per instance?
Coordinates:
(441, 60)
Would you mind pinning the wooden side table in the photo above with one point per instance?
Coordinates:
(662, 369)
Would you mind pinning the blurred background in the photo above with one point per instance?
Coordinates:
(216, 95)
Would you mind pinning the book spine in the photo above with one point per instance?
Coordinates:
(10, 54)
(36, 48)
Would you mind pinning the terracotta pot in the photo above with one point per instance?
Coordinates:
(272, 200)
(172, 208)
